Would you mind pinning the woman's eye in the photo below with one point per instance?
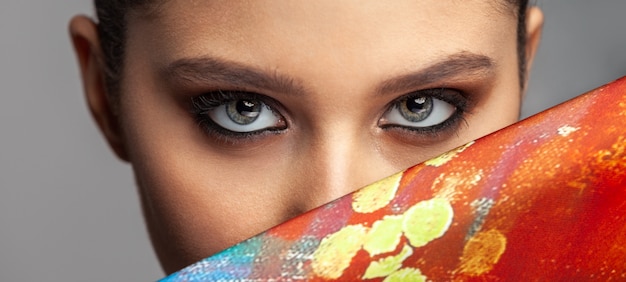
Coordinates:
(235, 114)
(244, 115)
(421, 110)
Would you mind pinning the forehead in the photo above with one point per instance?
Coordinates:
(322, 35)
(347, 19)
(172, 10)
(157, 8)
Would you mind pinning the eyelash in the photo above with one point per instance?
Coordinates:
(202, 104)
(460, 101)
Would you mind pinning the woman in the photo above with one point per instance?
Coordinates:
(238, 115)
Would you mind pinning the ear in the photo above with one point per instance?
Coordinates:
(534, 27)
(84, 35)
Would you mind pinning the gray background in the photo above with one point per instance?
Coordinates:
(69, 210)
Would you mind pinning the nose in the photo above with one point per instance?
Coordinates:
(334, 163)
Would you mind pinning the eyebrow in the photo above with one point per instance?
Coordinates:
(463, 65)
(224, 73)
(219, 72)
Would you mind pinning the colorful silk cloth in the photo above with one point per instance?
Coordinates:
(543, 199)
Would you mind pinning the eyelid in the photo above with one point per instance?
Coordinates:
(460, 100)
(220, 97)
(455, 97)
(202, 104)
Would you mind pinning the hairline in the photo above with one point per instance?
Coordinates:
(115, 51)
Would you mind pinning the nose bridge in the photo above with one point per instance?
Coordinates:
(340, 160)
(337, 154)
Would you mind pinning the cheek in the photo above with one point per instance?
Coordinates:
(195, 206)
(196, 200)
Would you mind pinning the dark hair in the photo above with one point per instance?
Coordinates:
(112, 19)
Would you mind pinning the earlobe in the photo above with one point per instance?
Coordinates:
(84, 35)
(534, 27)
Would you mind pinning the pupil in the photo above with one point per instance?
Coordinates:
(417, 105)
(416, 109)
(247, 108)
(244, 112)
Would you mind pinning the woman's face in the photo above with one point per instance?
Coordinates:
(237, 115)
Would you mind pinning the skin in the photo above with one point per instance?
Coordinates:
(345, 61)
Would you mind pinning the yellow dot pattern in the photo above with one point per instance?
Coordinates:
(388, 265)
(427, 220)
(336, 251)
(377, 195)
(384, 235)
(406, 275)
(482, 252)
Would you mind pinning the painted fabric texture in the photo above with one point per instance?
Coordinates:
(543, 199)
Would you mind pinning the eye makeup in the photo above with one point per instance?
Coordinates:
(237, 116)
(424, 104)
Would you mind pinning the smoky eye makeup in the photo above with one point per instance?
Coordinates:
(237, 115)
(427, 114)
